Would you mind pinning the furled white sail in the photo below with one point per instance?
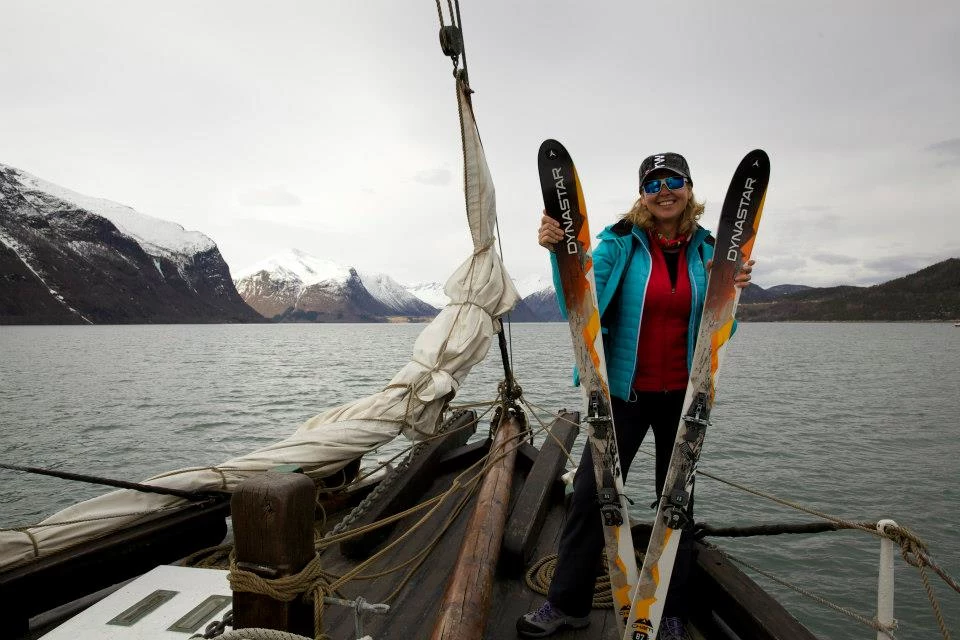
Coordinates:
(480, 291)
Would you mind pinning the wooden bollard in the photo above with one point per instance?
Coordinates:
(273, 535)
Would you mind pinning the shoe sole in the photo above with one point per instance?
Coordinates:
(579, 624)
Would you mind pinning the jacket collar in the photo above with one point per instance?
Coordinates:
(699, 235)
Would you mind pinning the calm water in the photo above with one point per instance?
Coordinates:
(857, 420)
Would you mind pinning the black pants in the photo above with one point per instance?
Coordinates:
(581, 544)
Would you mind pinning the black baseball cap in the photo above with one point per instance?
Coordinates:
(669, 161)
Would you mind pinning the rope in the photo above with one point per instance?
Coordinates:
(253, 633)
(872, 623)
(540, 575)
(25, 530)
(543, 427)
(932, 597)
(394, 476)
(458, 484)
(847, 524)
(312, 579)
(914, 552)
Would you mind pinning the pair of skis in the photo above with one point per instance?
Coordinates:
(639, 597)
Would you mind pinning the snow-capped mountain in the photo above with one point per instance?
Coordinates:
(70, 258)
(157, 237)
(297, 286)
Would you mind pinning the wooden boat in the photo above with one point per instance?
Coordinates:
(724, 600)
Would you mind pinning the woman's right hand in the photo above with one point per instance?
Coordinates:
(549, 233)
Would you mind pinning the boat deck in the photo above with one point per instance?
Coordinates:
(412, 572)
(414, 609)
(420, 588)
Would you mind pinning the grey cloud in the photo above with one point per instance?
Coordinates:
(948, 149)
(892, 267)
(834, 258)
(271, 197)
(433, 177)
(783, 263)
(779, 269)
(896, 266)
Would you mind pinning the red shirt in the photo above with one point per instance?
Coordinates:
(662, 346)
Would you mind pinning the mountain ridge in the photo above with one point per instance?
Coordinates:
(929, 294)
(294, 286)
(64, 260)
(69, 258)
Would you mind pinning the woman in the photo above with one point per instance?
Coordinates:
(651, 276)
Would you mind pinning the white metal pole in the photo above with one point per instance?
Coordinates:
(885, 580)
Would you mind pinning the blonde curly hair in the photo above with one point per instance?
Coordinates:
(641, 216)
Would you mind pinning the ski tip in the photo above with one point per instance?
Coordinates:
(550, 149)
(755, 164)
(758, 159)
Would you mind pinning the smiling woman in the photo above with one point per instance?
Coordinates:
(651, 276)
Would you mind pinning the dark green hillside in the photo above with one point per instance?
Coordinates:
(931, 294)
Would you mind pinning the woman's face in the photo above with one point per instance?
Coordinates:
(667, 205)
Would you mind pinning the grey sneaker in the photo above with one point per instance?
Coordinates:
(671, 628)
(546, 621)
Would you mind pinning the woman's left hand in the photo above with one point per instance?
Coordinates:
(742, 279)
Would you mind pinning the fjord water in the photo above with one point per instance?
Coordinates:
(856, 420)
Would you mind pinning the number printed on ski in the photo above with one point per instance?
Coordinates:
(739, 220)
(563, 200)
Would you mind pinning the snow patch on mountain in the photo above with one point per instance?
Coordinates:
(532, 284)
(295, 266)
(156, 236)
(430, 292)
(387, 290)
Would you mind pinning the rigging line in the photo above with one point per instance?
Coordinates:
(463, 46)
(128, 514)
(456, 485)
(873, 624)
(546, 429)
(935, 604)
(195, 496)
(459, 484)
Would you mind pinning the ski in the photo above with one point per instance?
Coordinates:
(563, 200)
(739, 220)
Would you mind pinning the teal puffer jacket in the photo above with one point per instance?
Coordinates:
(613, 265)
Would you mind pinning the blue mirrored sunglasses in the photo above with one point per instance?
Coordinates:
(651, 187)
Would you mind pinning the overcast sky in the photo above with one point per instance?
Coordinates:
(331, 126)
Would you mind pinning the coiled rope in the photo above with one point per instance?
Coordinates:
(540, 574)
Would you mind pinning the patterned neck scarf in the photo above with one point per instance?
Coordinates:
(668, 244)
